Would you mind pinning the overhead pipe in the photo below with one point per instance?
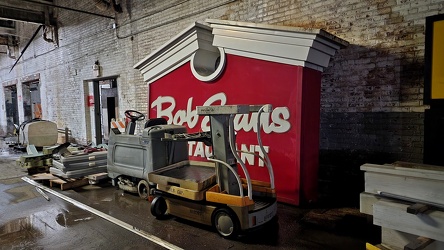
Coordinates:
(24, 49)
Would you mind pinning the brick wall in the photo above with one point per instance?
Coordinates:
(371, 93)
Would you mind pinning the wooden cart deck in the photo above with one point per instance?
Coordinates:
(188, 179)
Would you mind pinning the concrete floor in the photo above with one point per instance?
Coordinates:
(29, 221)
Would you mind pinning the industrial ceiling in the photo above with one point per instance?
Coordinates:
(36, 12)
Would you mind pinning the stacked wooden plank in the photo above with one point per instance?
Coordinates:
(66, 184)
(62, 183)
(407, 201)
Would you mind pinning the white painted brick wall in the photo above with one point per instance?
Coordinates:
(386, 52)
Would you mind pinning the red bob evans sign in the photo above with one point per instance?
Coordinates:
(229, 63)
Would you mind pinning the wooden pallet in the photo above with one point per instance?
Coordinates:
(96, 178)
(54, 181)
(68, 183)
(43, 178)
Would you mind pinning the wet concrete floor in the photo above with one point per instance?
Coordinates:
(29, 221)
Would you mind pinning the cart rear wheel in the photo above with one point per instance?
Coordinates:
(226, 223)
(159, 207)
(143, 189)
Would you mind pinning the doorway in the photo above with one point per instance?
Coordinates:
(434, 135)
(12, 116)
(105, 97)
(32, 106)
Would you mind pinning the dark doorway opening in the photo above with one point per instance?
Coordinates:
(12, 116)
(434, 135)
(111, 108)
(105, 107)
(31, 100)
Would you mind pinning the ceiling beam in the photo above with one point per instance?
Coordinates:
(7, 31)
(22, 15)
(70, 9)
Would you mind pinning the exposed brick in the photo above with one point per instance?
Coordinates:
(379, 76)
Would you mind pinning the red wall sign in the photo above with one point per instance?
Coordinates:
(90, 101)
(264, 64)
(290, 133)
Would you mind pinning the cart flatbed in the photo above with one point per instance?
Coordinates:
(192, 175)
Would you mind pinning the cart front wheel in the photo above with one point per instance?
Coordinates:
(143, 189)
(159, 207)
(226, 223)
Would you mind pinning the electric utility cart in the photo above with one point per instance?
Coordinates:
(212, 192)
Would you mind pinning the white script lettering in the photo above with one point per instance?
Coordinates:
(277, 122)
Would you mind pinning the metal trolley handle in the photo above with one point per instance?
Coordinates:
(231, 111)
(266, 108)
(233, 171)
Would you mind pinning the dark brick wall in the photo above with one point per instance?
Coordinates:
(396, 133)
(349, 140)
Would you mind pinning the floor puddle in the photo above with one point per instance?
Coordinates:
(67, 219)
(22, 233)
(26, 232)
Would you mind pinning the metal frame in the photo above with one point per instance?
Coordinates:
(227, 195)
(428, 56)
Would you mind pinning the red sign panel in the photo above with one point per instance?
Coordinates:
(290, 133)
(90, 101)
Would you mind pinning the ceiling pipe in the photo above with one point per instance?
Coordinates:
(24, 49)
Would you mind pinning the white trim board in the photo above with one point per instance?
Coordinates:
(394, 215)
(433, 174)
(366, 201)
(410, 187)
(176, 52)
(277, 29)
(395, 239)
(310, 48)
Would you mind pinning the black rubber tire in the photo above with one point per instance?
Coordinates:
(159, 207)
(143, 189)
(226, 223)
